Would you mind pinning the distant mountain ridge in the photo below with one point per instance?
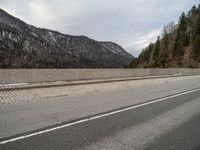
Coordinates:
(25, 46)
(179, 45)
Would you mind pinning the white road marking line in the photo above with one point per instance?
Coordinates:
(95, 117)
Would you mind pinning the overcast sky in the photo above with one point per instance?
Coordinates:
(130, 23)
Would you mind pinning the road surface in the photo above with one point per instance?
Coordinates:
(163, 115)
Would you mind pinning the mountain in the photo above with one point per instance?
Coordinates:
(179, 45)
(25, 46)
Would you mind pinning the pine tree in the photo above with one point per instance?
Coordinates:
(155, 52)
(193, 11)
(165, 37)
(150, 48)
(181, 39)
(198, 25)
(196, 48)
(182, 23)
(196, 37)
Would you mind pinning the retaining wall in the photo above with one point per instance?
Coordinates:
(12, 76)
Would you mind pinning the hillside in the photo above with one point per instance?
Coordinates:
(25, 46)
(179, 45)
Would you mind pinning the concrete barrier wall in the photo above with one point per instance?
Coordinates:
(12, 76)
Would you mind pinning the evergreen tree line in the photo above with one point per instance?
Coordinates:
(178, 46)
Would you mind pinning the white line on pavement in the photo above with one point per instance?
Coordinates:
(95, 117)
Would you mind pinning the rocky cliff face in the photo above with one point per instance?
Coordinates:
(25, 46)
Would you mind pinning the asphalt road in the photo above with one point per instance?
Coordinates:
(153, 117)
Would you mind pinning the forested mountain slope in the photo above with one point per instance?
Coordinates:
(179, 45)
(25, 46)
